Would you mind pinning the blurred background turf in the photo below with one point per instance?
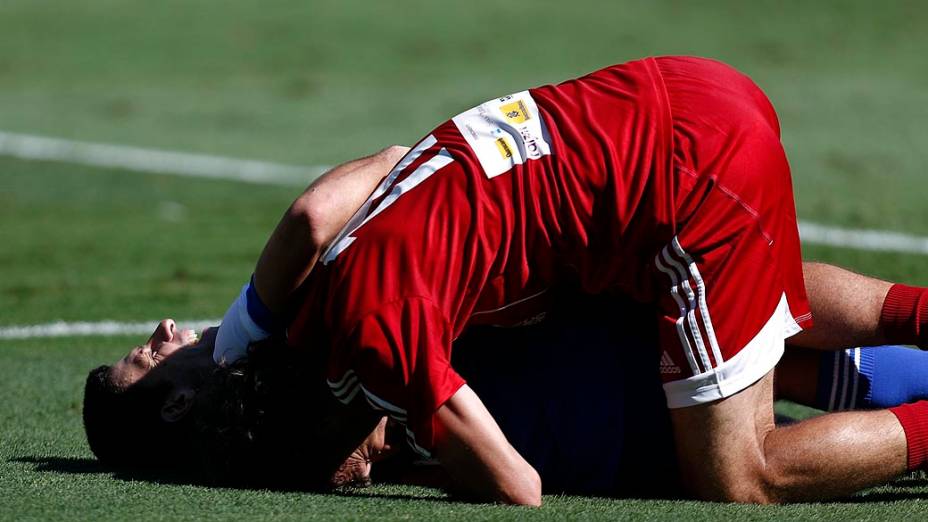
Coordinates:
(318, 82)
(324, 81)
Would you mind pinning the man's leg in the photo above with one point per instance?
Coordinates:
(730, 450)
(830, 455)
(856, 310)
(735, 290)
(853, 378)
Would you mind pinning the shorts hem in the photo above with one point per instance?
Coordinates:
(754, 361)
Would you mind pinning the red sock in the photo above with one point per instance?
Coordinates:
(904, 318)
(914, 420)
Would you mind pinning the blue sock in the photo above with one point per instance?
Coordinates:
(871, 378)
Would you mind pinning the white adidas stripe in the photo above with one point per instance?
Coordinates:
(683, 275)
(679, 323)
(848, 358)
(701, 292)
(856, 374)
(349, 389)
(339, 384)
(845, 375)
(341, 241)
(347, 399)
(680, 268)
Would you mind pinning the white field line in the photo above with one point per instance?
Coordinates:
(811, 233)
(858, 239)
(100, 329)
(136, 159)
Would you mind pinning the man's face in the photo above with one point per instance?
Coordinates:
(177, 354)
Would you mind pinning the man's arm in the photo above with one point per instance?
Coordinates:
(310, 223)
(313, 220)
(477, 456)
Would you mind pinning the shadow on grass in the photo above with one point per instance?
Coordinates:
(70, 465)
(84, 466)
(907, 488)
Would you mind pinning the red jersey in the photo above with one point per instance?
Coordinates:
(579, 182)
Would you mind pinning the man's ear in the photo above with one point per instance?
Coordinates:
(177, 404)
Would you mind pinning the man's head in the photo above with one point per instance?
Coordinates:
(268, 420)
(135, 411)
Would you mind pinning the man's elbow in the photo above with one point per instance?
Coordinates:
(526, 493)
(392, 154)
(322, 210)
(311, 213)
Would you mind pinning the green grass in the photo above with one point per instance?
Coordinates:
(94, 244)
(46, 472)
(318, 82)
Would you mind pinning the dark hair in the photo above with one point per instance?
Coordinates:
(268, 420)
(124, 426)
(267, 424)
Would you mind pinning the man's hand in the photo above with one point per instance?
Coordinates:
(477, 456)
(356, 470)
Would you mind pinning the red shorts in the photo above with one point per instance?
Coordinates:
(731, 279)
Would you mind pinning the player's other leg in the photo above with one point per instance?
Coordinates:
(854, 310)
(853, 378)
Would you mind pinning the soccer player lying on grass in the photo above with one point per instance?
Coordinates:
(663, 180)
(609, 436)
(600, 429)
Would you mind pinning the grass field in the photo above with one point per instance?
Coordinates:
(317, 82)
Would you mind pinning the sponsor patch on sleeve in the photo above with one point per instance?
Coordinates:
(505, 132)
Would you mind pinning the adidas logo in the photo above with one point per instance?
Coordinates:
(667, 364)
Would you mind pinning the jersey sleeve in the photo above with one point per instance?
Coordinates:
(398, 359)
